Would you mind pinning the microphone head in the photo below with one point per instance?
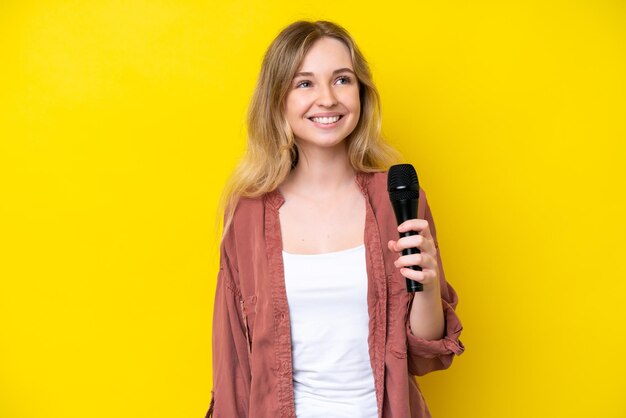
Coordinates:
(402, 183)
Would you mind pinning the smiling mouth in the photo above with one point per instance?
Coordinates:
(326, 120)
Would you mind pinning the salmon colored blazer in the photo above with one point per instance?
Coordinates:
(252, 369)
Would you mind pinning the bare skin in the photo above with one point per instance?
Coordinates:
(324, 210)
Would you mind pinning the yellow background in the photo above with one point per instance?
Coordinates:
(120, 120)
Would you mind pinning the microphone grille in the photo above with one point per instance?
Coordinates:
(402, 182)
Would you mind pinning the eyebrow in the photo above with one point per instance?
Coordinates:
(340, 70)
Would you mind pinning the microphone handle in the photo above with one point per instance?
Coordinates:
(412, 285)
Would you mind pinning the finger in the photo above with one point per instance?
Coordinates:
(418, 225)
(416, 241)
(418, 276)
(424, 260)
(391, 244)
(412, 241)
(425, 276)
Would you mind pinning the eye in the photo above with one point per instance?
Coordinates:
(344, 79)
(304, 83)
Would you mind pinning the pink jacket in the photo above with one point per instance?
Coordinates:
(252, 375)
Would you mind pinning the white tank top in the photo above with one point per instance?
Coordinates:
(327, 296)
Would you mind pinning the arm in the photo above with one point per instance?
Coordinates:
(433, 328)
(231, 370)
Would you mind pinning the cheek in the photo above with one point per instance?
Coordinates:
(356, 106)
(288, 107)
(356, 109)
(354, 101)
(296, 104)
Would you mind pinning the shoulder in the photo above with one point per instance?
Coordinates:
(248, 210)
(248, 206)
(378, 181)
(239, 237)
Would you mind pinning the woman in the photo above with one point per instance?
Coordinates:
(312, 317)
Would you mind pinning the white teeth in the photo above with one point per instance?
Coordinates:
(326, 120)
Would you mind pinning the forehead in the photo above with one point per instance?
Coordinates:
(326, 54)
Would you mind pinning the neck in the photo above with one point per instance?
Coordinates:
(322, 172)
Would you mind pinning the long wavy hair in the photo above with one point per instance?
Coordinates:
(272, 150)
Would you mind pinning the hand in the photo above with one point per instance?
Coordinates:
(427, 259)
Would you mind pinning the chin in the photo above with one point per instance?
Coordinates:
(323, 142)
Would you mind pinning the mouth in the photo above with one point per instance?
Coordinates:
(326, 120)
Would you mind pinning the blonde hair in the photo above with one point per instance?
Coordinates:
(272, 151)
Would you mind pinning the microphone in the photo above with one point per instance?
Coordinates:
(403, 188)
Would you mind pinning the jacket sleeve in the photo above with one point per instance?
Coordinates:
(424, 355)
(231, 369)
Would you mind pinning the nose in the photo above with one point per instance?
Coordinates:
(326, 97)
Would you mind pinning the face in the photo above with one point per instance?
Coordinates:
(322, 105)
